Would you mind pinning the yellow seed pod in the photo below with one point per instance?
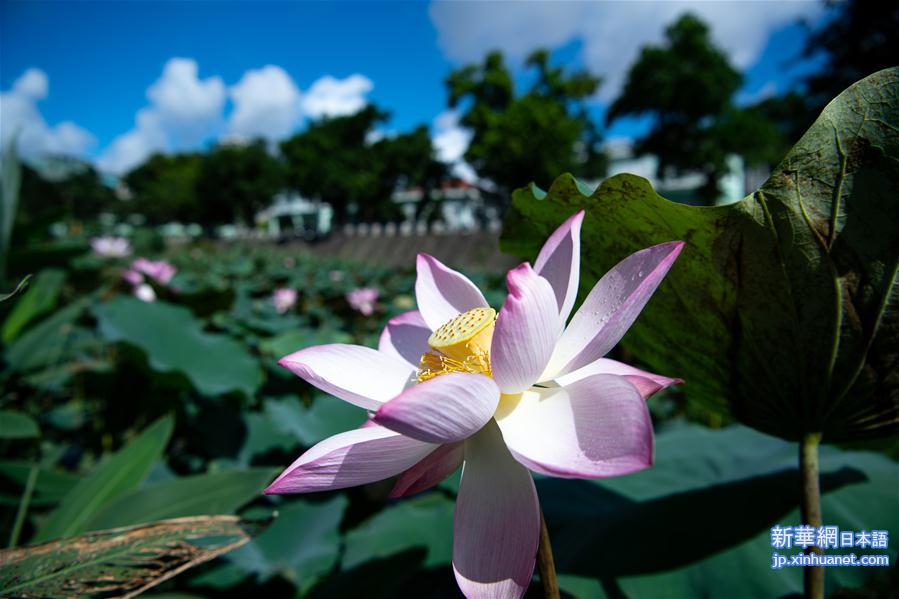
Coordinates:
(466, 335)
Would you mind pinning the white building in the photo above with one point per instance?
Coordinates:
(681, 188)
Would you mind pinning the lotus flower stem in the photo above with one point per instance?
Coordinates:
(23, 506)
(813, 576)
(546, 564)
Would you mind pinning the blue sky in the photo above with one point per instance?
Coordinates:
(116, 80)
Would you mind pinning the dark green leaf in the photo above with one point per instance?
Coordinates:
(421, 522)
(16, 425)
(302, 544)
(782, 308)
(49, 341)
(215, 493)
(50, 488)
(122, 561)
(707, 505)
(175, 341)
(325, 417)
(23, 284)
(117, 475)
(40, 298)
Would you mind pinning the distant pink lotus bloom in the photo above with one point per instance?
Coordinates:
(133, 277)
(284, 299)
(160, 271)
(363, 300)
(111, 247)
(452, 383)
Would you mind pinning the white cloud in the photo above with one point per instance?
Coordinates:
(611, 33)
(187, 107)
(450, 141)
(21, 118)
(183, 111)
(266, 104)
(335, 97)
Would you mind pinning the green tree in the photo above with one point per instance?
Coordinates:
(686, 85)
(405, 160)
(81, 194)
(334, 160)
(860, 39)
(532, 136)
(235, 181)
(330, 160)
(164, 188)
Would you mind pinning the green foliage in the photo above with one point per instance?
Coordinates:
(333, 160)
(114, 477)
(302, 545)
(77, 195)
(40, 298)
(174, 340)
(120, 562)
(686, 85)
(235, 181)
(423, 522)
(860, 39)
(530, 136)
(20, 288)
(781, 310)
(9, 202)
(16, 425)
(165, 188)
(213, 493)
(712, 496)
(50, 488)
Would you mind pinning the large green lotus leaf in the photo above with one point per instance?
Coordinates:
(697, 524)
(302, 544)
(213, 493)
(424, 522)
(122, 562)
(118, 475)
(782, 308)
(175, 341)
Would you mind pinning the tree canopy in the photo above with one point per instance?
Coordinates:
(336, 160)
(532, 136)
(686, 85)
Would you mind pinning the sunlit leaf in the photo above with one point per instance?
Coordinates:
(782, 308)
(122, 561)
(175, 341)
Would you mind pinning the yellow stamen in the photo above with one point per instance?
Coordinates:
(461, 345)
(466, 334)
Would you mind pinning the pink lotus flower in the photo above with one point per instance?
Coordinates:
(284, 299)
(363, 300)
(111, 247)
(451, 385)
(133, 277)
(160, 271)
